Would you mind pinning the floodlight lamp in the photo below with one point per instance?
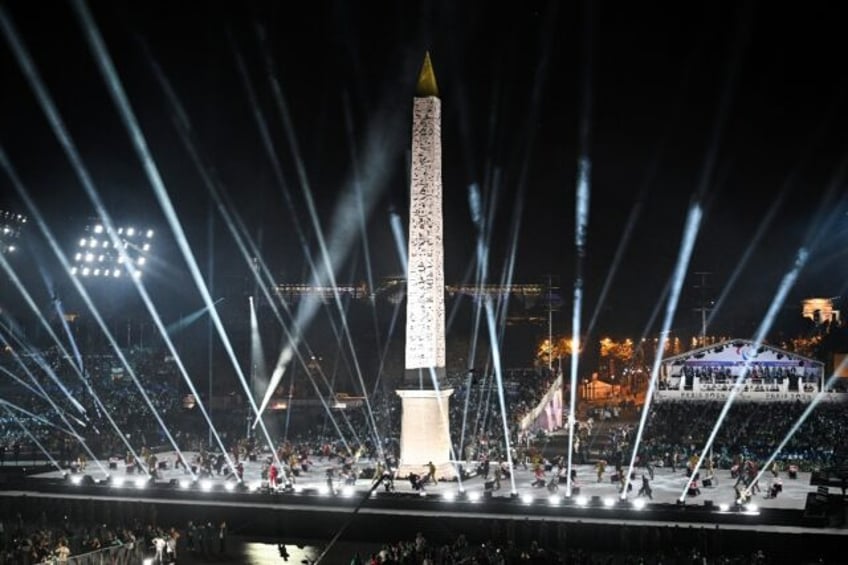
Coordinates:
(105, 244)
(117, 482)
(347, 491)
(639, 504)
(73, 271)
(100, 258)
(149, 234)
(609, 502)
(581, 501)
(474, 496)
(750, 507)
(184, 484)
(449, 496)
(527, 499)
(141, 260)
(136, 274)
(89, 257)
(141, 482)
(229, 486)
(724, 507)
(323, 490)
(83, 242)
(86, 271)
(96, 272)
(206, 485)
(130, 232)
(120, 230)
(76, 480)
(92, 242)
(12, 249)
(553, 499)
(116, 273)
(78, 257)
(98, 229)
(145, 247)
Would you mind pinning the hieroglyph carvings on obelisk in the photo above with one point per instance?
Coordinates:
(425, 307)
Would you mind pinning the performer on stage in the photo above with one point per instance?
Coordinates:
(646, 488)
(272, 476)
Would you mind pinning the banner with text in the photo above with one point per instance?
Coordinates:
(661, 395)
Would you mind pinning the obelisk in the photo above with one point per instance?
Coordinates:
(425, 430)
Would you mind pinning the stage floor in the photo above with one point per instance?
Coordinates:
(667, 486)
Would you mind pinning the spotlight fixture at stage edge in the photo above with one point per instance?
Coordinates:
(10, 230)
(94, 254)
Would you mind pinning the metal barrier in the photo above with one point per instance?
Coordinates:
(127, 554)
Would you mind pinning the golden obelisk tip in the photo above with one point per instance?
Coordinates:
(427, 79)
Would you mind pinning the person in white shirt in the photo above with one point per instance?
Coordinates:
(159, 544)
(62, 551)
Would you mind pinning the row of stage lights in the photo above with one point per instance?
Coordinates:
(144, 482)
(128, 232)
(580, 501)
(7, 216)
(204, 485)
(93, 243)
(348, 491)
(98, 272)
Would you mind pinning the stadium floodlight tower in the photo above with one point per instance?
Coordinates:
(425, 433)
(97, 257)
(10, 230)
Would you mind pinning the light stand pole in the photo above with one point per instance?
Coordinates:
(703, 309)
(211, 277)
(252, 387)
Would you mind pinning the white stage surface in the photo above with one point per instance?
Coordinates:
(667, 486)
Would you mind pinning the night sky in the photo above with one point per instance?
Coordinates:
(738, 106)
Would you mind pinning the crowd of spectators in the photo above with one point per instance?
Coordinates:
(476, 423)
(420, 552)
(506, 552)
(47, 374)
(25, 543)
(476, 415)
(750, 430)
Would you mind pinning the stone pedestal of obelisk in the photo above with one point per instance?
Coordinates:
(425, 431)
